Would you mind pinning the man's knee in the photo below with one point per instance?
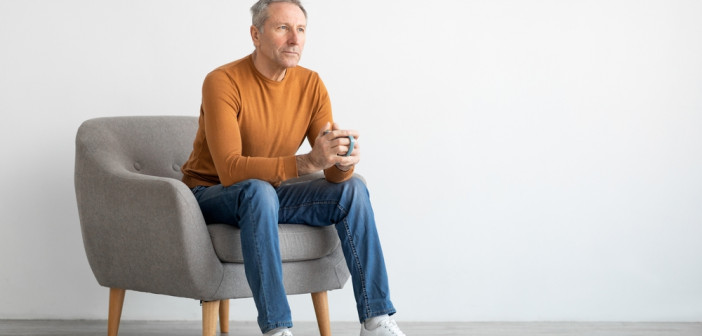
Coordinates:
(259, 193)
(353, 193)
(355, 186)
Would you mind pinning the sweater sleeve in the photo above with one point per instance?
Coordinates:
(220, 106)
(322, 115)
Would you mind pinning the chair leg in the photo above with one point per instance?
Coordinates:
(210, 311)
(114, 314)
(224, 316)
(321, 309)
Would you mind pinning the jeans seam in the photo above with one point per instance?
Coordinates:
(264, 298)
(361, 273)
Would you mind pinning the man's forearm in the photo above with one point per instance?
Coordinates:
(305, 165)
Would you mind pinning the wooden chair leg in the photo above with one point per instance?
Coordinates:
(224, 316)
(321, 309)
(210, 311)
(114, 314)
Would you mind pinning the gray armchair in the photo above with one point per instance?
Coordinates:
(143, 230)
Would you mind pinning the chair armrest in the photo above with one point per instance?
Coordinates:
(145, 233)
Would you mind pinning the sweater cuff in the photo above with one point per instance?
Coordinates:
(289, 167)
(336, 175)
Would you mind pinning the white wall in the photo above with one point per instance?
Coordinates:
(529, 160)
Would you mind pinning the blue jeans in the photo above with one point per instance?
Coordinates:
(256, 207)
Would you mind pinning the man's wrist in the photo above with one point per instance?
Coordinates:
(305, 165)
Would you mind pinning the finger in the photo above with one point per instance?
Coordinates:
(342, 141)
(345, 146)
(348, 161)
(347, 151)
(341, 150)
(355, 153)
(337, 132)
(346, 133)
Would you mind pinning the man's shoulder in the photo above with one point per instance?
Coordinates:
(233, 68)
(240, 63)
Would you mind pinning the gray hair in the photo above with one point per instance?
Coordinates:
(259, 11)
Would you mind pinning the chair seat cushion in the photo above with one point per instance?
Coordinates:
(297, 242)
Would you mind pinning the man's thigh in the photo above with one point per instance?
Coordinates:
(224, 205)
(314, 202)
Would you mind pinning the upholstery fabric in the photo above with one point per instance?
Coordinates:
(143, 230)
(297, 242)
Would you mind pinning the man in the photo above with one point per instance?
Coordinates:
(255, 113)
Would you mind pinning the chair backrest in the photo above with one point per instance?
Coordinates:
(132, 207)
(151, 145)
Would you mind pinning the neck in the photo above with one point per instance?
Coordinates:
(276, 74)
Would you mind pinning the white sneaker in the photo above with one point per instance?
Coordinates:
(284, 332)
(387, 327)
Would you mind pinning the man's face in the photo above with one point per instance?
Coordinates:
(283, 38)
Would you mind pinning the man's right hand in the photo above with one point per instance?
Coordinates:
(330, 148)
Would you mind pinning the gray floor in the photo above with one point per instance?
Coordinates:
(133, 328)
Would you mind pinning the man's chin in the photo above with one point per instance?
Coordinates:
(290, 61)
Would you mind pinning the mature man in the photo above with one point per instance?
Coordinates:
(255, 113)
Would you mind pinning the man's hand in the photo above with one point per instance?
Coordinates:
(355, 156)
(330, 148)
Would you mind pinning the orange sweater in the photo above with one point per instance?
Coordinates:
(250, 127)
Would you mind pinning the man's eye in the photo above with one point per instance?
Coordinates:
(283, 27)
(301, 30)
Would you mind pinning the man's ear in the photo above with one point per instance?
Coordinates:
(255, 36)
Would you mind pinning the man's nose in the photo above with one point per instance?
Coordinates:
(294, 37)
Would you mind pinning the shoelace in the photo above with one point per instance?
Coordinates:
(391, 325)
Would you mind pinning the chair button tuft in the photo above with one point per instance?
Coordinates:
(137, 166)
(176, 167)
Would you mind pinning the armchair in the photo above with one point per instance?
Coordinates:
(143, 230)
